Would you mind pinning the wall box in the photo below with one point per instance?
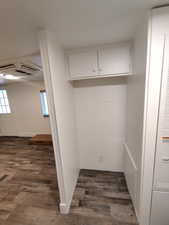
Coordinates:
(104, 61)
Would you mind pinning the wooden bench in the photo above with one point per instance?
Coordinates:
(43, 139)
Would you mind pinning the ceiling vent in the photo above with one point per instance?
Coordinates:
(21, 69)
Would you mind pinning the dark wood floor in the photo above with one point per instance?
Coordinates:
(101, 194)
(29, 192)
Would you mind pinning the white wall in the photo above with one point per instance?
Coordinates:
(67, 167)
(26, 118)
(135, 115)
(100, 119)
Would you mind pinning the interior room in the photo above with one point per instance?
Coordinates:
(84, 131)
(24, 109)
(27, 161)
(96, 91)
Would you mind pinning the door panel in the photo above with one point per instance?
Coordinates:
(114, 59)
(160, 208)
(83, 63)
(161, 179)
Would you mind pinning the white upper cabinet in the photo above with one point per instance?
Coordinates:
(83, 63)
(114, 59)
(104, 61)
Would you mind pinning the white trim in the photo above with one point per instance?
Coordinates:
(135, 170)
(100, 76)
(130, 156)
(145, 215)
(53, 119)
(151, 106)
(23, 134)
(64, 208)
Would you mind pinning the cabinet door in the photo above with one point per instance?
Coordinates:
(83, 64)
(161, 175)
(160, 208)
(114, 59)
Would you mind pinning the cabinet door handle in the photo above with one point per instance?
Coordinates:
(165, 159)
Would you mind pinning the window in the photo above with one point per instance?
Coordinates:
(44, 104)
(4, 103)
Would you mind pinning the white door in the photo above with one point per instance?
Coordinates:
(83, 64)
(160, 198)
(161, 180)
(114, 59)
(160, 208)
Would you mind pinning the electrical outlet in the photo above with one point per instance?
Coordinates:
(100, 159)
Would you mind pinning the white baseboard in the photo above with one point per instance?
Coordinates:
(131, 172)
(102, 169)
(22, 134)
(130, 156)
(64, 208)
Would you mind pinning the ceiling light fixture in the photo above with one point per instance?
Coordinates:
(9, 77)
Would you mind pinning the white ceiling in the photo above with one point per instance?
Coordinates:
(77, 22)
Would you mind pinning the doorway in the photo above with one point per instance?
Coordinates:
(28, 178)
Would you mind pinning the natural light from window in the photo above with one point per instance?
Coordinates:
(44, 104)
(4, 103)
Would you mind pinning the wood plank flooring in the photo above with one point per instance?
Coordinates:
(29, 193)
